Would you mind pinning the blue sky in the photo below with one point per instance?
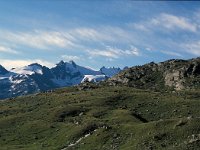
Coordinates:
(97, 33)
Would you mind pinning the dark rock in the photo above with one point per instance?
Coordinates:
(174, 74)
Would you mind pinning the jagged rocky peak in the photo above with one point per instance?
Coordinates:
(60, 63)
(103, 67)
(35, 77)
(117, 68)
(3, 70)
(67, 64)
(35, 64)
(73, 63)
(110, 71)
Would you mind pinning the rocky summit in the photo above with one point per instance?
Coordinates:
(174, 74)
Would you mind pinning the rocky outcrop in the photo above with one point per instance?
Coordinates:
(174, 79)
(176, 74)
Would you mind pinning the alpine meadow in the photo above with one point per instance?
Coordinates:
(99, 75)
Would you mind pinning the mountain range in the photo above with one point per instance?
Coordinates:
(174, 74)
(36, 78)
(150, 107)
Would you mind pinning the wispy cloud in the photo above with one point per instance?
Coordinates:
(106, 53)
(174, 22)
(70, 57)
(5, 49)
(88, 40)
(75, 39)
(37, 39)
(170, 32)
(167, 21)
(101, 34)
(192, 47)
(171, 53)
(66, 39)
(114, 52)
(139, 26)
(87, 34)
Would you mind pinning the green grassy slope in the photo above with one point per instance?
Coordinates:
(104, 118)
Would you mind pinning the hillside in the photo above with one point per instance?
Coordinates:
(175, 74)
(101, 118)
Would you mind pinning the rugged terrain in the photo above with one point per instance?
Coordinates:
(37, 78)
(172, 74)
(147, 107)
(101, 118)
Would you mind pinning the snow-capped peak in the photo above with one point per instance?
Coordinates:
(72, 67)
(29, 70)
(35, 64)
(35, 77)
(60, 63)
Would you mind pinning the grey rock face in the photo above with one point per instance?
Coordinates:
(176, 74)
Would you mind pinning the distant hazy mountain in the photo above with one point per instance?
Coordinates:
(35, 77)
(110, 71)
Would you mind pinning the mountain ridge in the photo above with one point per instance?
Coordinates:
(128, 114)
(175, 74)
(35, 77)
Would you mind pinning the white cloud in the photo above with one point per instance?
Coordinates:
(8, 63)
(106, 53)
(173, 22)
(192, 48)
(8, 50)
(90, 34)
(167, 21)
(133, 51)
(139, 26)
(149, 49)
(113, 52)
(37, 39)
(70, 57)
(101, 34)
(171, 53)
(66, 39)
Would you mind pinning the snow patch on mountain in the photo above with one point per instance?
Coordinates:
(7, 75)
(93, 78)
(29, 70)
(35, 77)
